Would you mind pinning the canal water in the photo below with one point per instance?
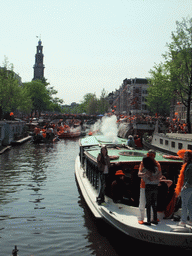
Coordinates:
(43, 212)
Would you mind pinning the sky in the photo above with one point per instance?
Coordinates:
(88, 45)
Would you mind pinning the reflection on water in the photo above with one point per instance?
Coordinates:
(38, 199)
(41, 210)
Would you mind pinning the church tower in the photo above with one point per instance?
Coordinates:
(39, 67)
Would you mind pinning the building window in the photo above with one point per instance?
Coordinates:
(144, 91)
(190, 147)
(144, 107)
(137, 90)
(180, 145)
(161, 141)
(166, 142)
(172, 144)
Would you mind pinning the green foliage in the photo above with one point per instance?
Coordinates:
(85, 104)
(38, 94)
(179, 61)
(159, 91)
(174, 77)
(41, 96)
(12, 95)
(103, 104)
(90, 105)
(25, 101)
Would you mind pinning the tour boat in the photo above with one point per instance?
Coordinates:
(125, 216)
(169, 143)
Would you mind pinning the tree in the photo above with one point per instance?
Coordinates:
(160, 90)
(92, 106)
(179, 62)
(39, 95)
(85, 104)
(55, 104)
(103, 104)
(12, 95)
(42, 96)
(25, 101)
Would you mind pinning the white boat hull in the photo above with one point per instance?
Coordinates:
(171, 142)
(125, 219)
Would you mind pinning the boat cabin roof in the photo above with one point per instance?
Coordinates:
(92, 145)
(176, 136)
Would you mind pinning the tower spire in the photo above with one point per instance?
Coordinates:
(39, 66)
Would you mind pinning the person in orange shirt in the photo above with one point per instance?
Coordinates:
(142, 201)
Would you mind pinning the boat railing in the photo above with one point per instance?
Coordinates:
(92, 172)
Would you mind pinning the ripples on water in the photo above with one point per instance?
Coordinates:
(41, 210)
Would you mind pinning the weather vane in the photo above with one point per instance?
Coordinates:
(39, 37)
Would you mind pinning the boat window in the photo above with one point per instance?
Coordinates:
(161, 141)
(173, 144)
(190, 147)
(180, 145)
(166, 142)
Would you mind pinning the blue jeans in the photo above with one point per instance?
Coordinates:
(102, 185)
(186, 199)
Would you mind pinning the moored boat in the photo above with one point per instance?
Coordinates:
(21, 141)
(169, 143)
(125, 216)
(69, 134)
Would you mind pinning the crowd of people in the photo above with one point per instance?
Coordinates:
(152, 184)
(176, 126)
(172, 125)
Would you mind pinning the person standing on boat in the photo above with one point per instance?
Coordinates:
(151, 153)
(103, 161)
(184, 187)
(151, 176)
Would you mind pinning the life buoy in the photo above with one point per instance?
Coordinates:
(172, 157)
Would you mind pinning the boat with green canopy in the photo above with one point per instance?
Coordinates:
(124, 216)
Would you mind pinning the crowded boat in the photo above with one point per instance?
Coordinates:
(53, 131)
(118, 181)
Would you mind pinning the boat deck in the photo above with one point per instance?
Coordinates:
(21, 141)
(125, 218)
(129, 216)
